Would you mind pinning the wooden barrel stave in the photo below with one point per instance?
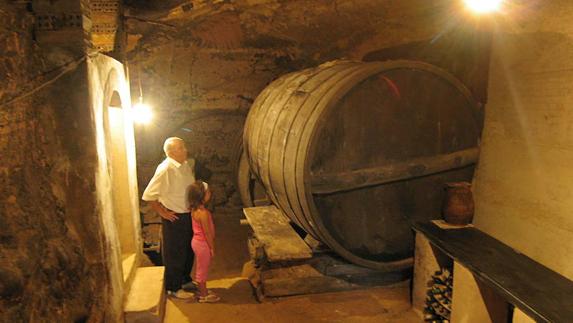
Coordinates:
(252, 132)
(267, 122)
(282, 140)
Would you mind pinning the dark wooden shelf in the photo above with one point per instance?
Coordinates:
(543, 294)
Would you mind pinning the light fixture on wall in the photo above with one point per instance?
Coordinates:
(483, 6)
(141, 112)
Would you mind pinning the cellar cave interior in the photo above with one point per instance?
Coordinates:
(286, 161)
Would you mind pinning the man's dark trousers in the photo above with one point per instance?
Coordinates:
(176, 250)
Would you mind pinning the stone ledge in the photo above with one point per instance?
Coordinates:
(146, 299)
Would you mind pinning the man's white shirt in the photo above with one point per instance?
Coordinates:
(170, 184)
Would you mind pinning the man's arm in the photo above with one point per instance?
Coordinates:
(154, 190)
(162, 211)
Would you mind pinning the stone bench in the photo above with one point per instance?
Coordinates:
(487, 276)
(146, 300)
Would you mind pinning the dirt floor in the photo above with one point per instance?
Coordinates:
(238, 304)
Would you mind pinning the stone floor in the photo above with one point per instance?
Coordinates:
(239, 305)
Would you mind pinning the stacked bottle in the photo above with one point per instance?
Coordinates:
(439, 298)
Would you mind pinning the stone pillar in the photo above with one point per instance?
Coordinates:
(473, 301)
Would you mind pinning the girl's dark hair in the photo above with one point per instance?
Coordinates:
(196, 194)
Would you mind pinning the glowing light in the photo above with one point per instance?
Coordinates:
(141, 113)
(483, 6)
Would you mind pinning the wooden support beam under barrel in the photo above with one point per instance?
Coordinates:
(408, 169)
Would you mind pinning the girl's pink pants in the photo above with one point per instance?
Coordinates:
(202, 259)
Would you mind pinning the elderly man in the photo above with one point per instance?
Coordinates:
(167, 195)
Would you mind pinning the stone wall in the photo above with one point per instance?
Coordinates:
(53, 266)
(523, 186)
(202, 66)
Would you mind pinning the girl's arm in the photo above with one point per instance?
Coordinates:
(209, 234)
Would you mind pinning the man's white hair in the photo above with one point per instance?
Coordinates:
(169, 143)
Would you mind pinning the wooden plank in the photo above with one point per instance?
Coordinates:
(299, 280)
(336, 266)
(538, 291)
(305, 279)
(280, 242)
(417, 167)
(289, 272)
(307, 285)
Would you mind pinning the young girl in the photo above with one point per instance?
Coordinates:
(203, 238)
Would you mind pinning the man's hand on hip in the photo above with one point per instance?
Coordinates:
(163, 212)
(169, 215)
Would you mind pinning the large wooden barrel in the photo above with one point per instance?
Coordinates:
(354, 152)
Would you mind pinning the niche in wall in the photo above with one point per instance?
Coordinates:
(115, 133)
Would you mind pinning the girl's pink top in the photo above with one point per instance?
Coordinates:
(198, 232)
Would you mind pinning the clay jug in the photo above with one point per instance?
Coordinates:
(458, 206)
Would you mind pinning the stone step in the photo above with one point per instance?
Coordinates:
(146, 299)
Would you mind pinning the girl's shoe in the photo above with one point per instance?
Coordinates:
(210, 298)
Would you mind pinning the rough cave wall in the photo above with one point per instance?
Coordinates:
(202, 64)
(523, 184)
(52, 251)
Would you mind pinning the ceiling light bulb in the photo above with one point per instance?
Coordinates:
(483, 6)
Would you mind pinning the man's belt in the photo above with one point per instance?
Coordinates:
(174, 211)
